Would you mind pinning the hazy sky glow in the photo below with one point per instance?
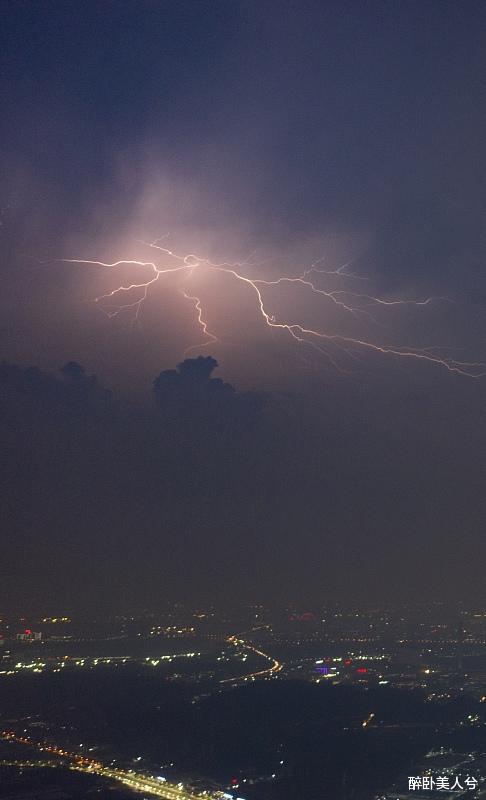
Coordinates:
(334, 132)
(271, 136)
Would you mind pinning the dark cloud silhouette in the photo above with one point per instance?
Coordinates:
(90, 482)
(198, 403)
(214, 494)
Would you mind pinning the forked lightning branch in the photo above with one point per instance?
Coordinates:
(338, 348)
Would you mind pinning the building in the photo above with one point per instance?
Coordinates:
(29, 636)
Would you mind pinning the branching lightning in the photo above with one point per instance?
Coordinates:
(211, 337)
(131, 297)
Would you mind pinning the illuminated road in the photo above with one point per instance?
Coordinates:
(275, 667)
(147, 783)
(139, 782)
(368, 720)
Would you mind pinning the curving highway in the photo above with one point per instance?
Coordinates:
(275, 667)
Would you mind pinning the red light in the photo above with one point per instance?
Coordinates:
(347, 662)
(28, 631)
(361, 670)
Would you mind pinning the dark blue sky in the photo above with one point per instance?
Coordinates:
(295, 130)
(297, 117)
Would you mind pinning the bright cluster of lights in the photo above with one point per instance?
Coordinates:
(60, 663)
(155, 785)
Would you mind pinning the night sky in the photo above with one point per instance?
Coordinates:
(274, 136)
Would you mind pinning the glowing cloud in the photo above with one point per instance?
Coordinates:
(334, 346)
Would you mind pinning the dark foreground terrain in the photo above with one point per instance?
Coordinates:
(272, 739)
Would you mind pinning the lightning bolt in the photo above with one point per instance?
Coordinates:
(202, 323)
(130, 297)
